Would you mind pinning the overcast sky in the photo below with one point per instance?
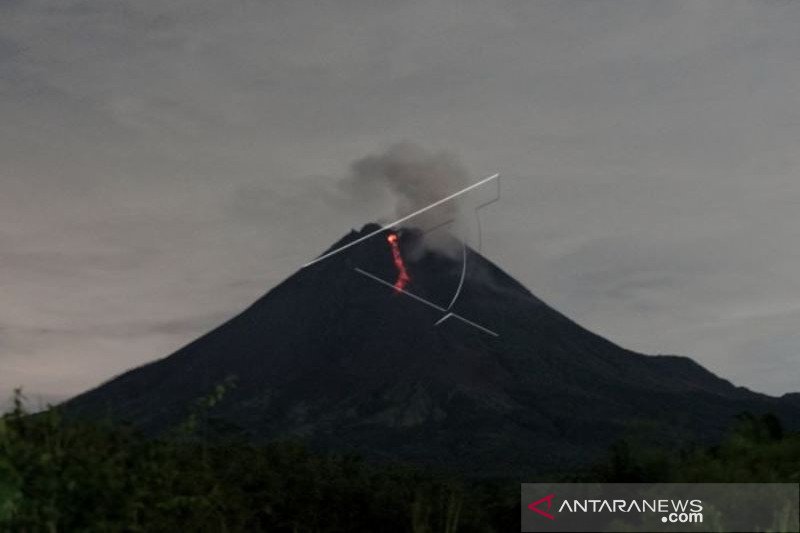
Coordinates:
(164, 163)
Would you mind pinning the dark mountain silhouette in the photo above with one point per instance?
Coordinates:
(346, 363)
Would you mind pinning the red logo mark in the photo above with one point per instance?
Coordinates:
(549, 499)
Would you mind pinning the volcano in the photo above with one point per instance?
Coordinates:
(347, 363)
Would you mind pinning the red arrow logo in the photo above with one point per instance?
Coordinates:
(549, 499)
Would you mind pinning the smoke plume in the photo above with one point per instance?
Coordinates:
(413, 176)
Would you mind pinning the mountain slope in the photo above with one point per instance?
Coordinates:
(347, 363)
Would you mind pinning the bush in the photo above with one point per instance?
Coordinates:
(75, 476)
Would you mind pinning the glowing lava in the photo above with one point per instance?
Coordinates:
(402, 274)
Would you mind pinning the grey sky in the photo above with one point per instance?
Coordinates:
(166, 162)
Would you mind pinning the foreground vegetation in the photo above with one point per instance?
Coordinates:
(67, 476)
(756, 450)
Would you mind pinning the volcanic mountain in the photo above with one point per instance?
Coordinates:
(346, 362)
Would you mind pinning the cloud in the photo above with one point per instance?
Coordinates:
(165, 157)
(413, 175)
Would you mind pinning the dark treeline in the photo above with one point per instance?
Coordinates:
(58, 475)
(65, 475)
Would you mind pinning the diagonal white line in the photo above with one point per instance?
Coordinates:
(418, 298)
(398, 221)
(471, 323)
(428, 303)
(445, 317)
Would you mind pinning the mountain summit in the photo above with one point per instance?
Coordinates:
(337, 355)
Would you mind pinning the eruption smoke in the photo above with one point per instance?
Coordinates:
(414, 176)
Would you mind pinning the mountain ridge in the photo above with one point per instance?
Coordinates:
(349, 364)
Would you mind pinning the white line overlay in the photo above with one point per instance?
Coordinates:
(398, 221)
(428, 303)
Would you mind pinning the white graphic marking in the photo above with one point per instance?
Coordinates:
(428, 303)
(398, 221)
